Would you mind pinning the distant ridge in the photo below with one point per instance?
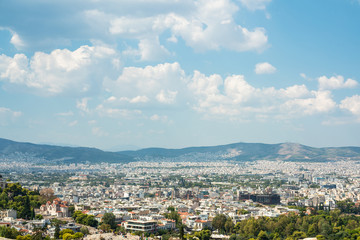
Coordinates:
(254, 151)
(29, 152)
(57, 154)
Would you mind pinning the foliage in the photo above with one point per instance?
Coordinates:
(109, 218)
(39, 217)
(20, 199)
(68, 236)
(47, 194)
(219, 222)
(8, 232)
(84, 230)
(323, 225)
(201, 235)
(57, 231)
(105, 227)
(347, 206)
(85, 219)
(174, 216)
(65, 231)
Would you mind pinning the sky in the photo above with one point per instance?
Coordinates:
(125, 74)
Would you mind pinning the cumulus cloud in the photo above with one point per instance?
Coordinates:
(264, 68)
(167, 97)
(255, 4)
(160, 118)
(99, 132)
(15, 38)
(159, 83)
(235, 97)
(148, 50)
(7, 115)
(105, 111)
(320, 102)
(351, 104)
(62, 71)
(82, 105)
(336, 82)
(208, 25)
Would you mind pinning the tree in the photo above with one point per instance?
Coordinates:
(320, 237)
(57, 231)
(26, 210)
(174, 216)
(84, 230)
(298, 235)
(65, 231)
(229, 225)
(78, 235)
(219, 222)
(90, 221)
(171, 209)
(109, 218)
(181, 231)
(105, 227)
(262, 236)
(47, 194)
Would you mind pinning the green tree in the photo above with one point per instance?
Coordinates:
(298, 235)
(219, 222)
(181, 231)
(90, 221)
(84, 230)
(78, 235)
(320, 237)
(109, 218)
(57, 231)
(105, 227)
(229, 225)
(262, 236)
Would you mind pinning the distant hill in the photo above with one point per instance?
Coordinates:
(249, 152)
(38, 153)
(45, 153)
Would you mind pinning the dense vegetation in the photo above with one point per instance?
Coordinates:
(85, 219)
(323, 225)
(20, 199)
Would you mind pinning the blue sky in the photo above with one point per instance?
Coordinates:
(169, 73)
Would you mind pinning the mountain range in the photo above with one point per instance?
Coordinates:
(29, 152)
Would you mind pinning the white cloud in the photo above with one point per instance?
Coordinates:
(60, 72)
(255, 4)
(73, 123)
(82, 105)
(157, 117)
(235, 97)
(99, 132)
(17, 41)
(161, 82)
(321, 102)
(296, 91)
(264, 68)
(104, 111)
(167, 97)
(351, 104)
(7, 115)
(148, 50)
(336, 82)
(207, 25)
(15, 38)
(65, 114)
